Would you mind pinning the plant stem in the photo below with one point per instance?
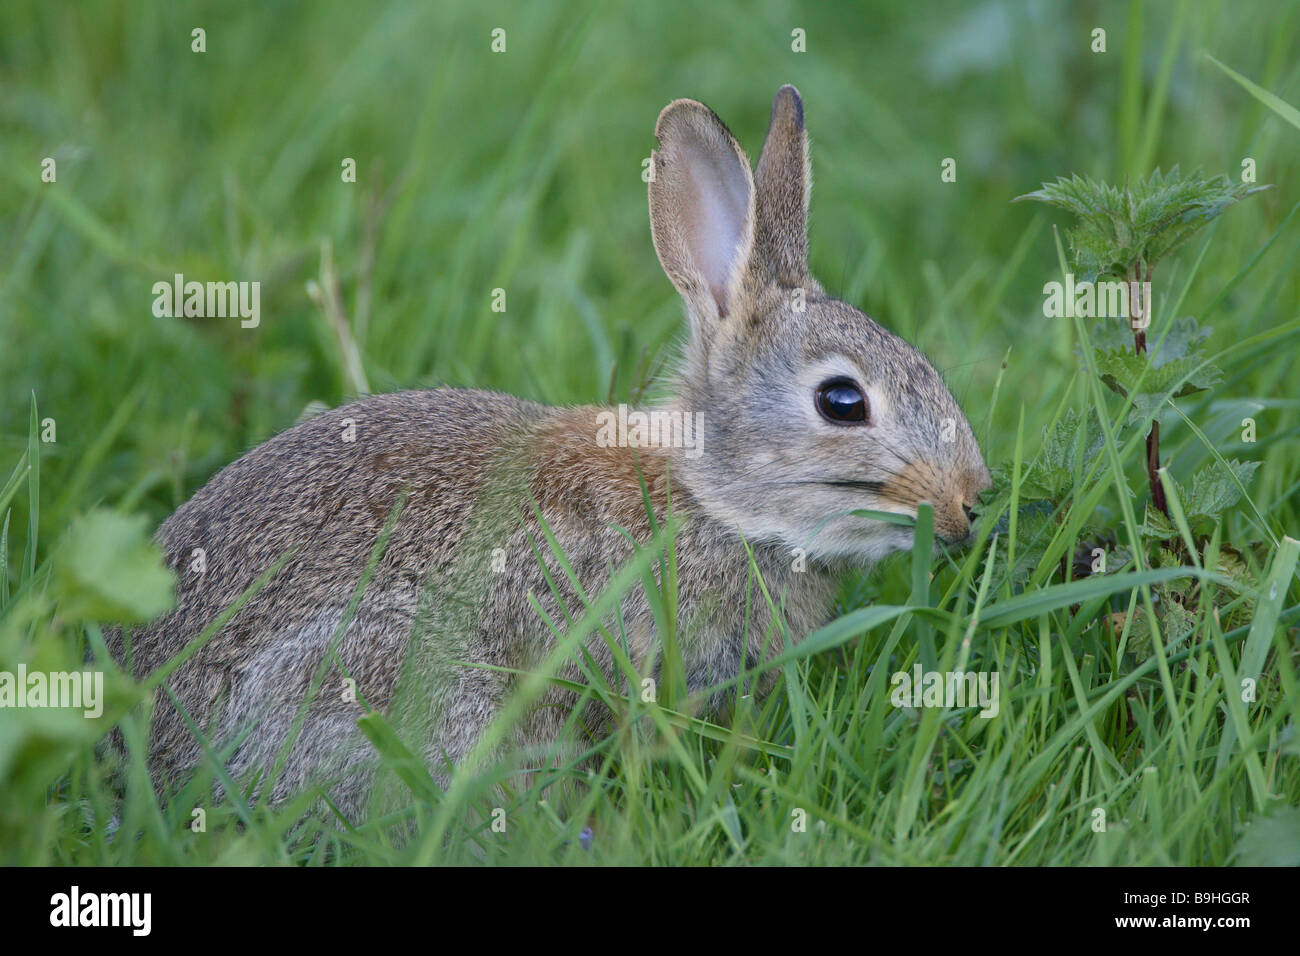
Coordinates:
(1153, 466)
(1139, 309)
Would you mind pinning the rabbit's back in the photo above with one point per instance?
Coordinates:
(318, 496)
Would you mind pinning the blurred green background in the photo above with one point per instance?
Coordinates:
(522, 170)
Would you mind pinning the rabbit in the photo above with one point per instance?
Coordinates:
(806, 410)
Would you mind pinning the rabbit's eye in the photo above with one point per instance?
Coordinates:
(841, 401)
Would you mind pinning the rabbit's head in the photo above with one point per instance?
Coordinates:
(809, 409)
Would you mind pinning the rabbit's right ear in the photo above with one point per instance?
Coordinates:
(701, 210)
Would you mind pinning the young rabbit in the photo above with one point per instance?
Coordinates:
(806, 408)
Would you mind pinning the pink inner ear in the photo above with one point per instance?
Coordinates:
(720, 203)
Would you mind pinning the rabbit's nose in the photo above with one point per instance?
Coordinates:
(968, 525)
(953, 523)
(976, 485)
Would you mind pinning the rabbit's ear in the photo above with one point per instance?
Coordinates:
(784, 182)
(701, 209)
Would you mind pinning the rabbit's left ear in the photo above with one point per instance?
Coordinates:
(783, 184)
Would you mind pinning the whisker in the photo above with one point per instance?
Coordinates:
(873, 486)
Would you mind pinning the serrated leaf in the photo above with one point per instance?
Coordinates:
(1239, 572)
(1122, 370)
(1070, 444)
(1110, 334)
(1139, 224)
(1156, 525)
(1214, 489)
(1182, 340)
(1034, 529)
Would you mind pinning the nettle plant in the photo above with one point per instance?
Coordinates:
(1121, 234)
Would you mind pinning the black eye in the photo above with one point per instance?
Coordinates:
(841, 401)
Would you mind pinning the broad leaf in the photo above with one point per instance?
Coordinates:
(107, 569)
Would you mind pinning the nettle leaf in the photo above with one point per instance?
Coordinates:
(1140, 223)
(1242, 580)
(1035, 528)
(1121, 371)
(1213, 492)
(996, 499)
(1156, 525)
(1092, 255)
(1183, 340)
(1214, 489)
(1176, 352)
(1067, 447)
(1175, 606)
(1108, 335)
(1171, 209)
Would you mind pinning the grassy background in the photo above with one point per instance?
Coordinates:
(522, 171)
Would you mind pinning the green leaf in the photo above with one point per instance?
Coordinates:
(1035, 527)
(1269, 608)
(1067, 447)
(107, 569)
(1121, 229)
(1156, 525)
(1217, 487)
(1183, 340)
(1272, 840)
(1110, 334)
(1122, 370)
(1171, 599)
(888, 517)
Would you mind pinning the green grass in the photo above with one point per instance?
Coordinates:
(522, 171)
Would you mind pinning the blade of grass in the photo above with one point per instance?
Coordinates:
(1278, 105)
